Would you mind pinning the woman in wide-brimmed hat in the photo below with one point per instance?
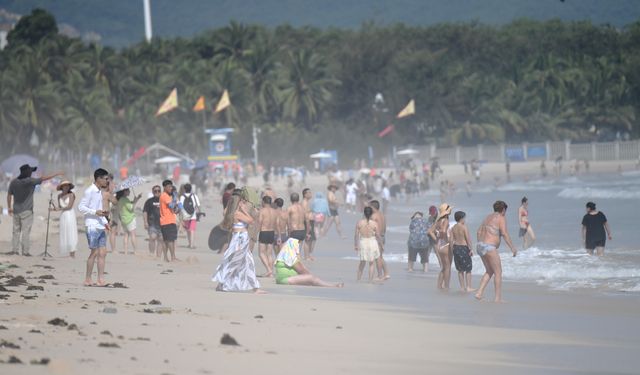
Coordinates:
(439, 232)
(68, 224)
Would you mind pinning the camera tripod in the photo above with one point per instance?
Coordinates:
(46, 254)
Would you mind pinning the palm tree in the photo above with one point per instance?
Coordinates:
(36, 93)
(470, 134)
(306, 87)
(233, 41)
(261, 65)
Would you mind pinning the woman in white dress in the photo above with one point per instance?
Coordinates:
(68, 225)
(237, 272)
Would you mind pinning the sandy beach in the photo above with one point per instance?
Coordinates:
(168, 319)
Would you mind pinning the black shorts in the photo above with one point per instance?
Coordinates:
(522, 232)
(413, 254)
(299, 235)
(592, 244)
(267, 237)
(333, 211)
(169, 232)
(462, 258)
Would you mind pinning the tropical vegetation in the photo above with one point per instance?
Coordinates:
(306, 88)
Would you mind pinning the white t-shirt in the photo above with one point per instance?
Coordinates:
(196, 203)
(386, 194)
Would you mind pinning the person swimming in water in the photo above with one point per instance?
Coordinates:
(492, 228)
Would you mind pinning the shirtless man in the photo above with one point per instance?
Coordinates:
(266, 237)
(461, 242)
(310, 243)
(268, 192)
(282, 221)
(492, 228)
(378, 217)
(297, 220)
(333, 210)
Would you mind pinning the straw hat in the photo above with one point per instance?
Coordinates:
(65, 182)
(445, 209)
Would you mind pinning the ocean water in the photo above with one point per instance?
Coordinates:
(556, 206)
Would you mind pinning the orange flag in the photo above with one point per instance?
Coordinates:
(224, 102)
(170, 103)
(199, 105)
(409, 110)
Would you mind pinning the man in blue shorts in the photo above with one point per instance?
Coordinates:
(95, 221)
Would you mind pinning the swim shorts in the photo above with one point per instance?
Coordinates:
(462, 258)
(522, 232)
(592, 244)
(299, 235)
(97, 238)
(169, 232)
(266, 237)
(153, 231)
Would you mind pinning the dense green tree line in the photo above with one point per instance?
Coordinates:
(525, 81)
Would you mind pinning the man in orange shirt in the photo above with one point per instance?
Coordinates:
(168, 227)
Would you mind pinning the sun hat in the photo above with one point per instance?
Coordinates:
(445, 209)
(65, 182)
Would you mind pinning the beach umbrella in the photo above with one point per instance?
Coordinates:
(13, 163)
(408, 151)
(321, 155)
(130, 182)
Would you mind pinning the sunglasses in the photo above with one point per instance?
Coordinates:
(156, 191)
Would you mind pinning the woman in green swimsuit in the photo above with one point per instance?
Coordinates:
(291, 271)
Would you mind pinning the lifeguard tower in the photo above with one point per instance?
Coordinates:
(220, 145)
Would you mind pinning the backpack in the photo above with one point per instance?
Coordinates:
(418, 237)
(189, 205)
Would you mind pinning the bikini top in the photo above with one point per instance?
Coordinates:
(492, 229)
(373, 229)
(239, 225)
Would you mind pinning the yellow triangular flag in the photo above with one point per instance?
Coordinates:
(224, 102)
(408, 110)
(199, 105)
(170, 103)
